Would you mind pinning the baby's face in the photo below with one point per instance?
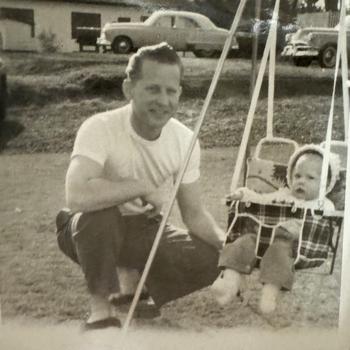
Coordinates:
(306, 177)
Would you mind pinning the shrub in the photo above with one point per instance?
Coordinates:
(48, 41)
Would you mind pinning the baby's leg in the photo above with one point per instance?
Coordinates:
(237, 258)
(276, 272)
(269, 296)
(226, 286)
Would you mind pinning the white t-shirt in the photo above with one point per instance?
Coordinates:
(109, 139)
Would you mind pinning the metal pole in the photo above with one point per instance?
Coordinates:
(253, 74)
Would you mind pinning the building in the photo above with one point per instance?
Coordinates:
(26, 24)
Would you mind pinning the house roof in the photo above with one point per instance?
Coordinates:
(133, 3)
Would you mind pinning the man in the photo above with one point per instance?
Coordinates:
(123, 165)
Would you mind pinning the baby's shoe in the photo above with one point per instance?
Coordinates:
(226, 286)
(268, 301)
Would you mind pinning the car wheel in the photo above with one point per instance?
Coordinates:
(302, 61)
(327, 56)
(204, 53)
(121, 44)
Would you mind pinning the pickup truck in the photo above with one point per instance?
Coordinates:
(246, 32)
(87, 36)
(312, 43)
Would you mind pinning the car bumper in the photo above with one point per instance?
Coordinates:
(299, 51)
(102, 42)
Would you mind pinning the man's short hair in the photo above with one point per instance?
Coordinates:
(161, 53)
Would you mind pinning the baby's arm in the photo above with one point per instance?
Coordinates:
(235, 196)
(244, 193)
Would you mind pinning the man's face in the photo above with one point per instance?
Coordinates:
(306, 177)
(154, 97)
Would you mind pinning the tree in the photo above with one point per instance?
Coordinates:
(331, 5)
(223, 11)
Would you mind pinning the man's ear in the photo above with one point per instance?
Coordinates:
(127, 89)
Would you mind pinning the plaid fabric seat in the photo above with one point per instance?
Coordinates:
(314, 241)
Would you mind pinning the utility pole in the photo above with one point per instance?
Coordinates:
(255, 42)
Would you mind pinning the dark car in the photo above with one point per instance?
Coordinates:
(246, 32)
(3, 90)
(315, 43)
(87, 36)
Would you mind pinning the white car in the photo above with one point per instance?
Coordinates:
(185, 31)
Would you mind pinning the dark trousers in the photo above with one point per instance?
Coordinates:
(101, 240)
(276, 266)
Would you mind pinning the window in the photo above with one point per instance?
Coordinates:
(19, 15)
(185, 23)
(124, 19)
(143, 18)
(82, 19)
(165, 21)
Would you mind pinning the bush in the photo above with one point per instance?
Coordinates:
(48, 41)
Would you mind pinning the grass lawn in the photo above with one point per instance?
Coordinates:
(50, 96)
(38, 282)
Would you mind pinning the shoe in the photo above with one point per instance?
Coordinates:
(101, 324)
(147, 309)
(123, 299)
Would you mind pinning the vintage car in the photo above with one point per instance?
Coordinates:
(3, 91)
(260, 28)
(87, 36)
(309, 44)
(185, 31)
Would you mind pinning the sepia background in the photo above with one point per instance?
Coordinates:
(53, 85)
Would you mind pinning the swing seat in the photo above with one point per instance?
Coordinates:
(320, 231)
(316, 235)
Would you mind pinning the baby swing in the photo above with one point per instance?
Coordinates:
(266, 171)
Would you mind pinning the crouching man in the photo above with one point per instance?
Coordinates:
(123, 165)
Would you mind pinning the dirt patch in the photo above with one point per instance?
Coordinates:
(31, 336)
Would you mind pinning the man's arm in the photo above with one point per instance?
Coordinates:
(197, 219)
(87, 190)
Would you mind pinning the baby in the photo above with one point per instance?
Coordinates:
(277, 264)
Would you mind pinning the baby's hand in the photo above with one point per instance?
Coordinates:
(236, 196)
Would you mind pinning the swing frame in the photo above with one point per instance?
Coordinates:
(196, 133)
(335, 219)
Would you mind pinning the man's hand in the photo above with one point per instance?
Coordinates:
(155, 202)
(196, 218)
